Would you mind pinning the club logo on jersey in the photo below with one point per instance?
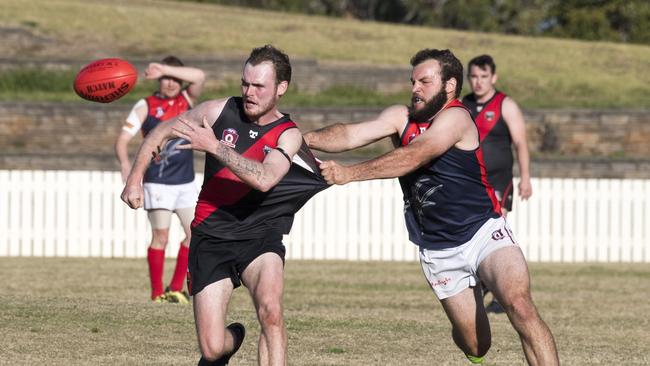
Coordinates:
(229, 137)
(266, 149)
(159, 112)
(252, 134)
(497, 235)
(422, 129)
(489, 115)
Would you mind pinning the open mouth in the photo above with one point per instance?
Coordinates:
(416, 100)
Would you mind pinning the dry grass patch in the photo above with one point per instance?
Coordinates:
(96, 311)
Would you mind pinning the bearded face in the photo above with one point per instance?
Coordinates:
(422, 112)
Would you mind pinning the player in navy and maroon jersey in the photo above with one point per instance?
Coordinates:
(501, 124)
(258, 173)
(169, 181)
(451, 211)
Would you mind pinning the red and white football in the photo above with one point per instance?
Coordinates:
(105, 80)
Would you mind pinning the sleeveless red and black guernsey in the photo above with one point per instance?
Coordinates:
(228, 208)
(447, 200)
(495, 139)
(171, 166)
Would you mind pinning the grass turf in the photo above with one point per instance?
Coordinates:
(64, 311)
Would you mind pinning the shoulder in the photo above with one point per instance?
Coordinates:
(141, 104)
(456, 116)
(397, 110)
(509, 106)
(395, 114)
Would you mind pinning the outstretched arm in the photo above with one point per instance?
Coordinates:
(452, 127)
(515, 121)
(132, 194)
(347, 136)
(262, 176)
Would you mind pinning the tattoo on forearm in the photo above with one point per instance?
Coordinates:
(240, 165)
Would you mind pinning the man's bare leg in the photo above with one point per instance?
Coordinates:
(264, 278)
(505, 272)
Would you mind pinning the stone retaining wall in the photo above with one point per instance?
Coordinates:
(563, 143)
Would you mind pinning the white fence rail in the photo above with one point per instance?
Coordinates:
(79, 214)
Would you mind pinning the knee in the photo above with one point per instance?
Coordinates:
(521, 308)
(270, 315)
(159, 239)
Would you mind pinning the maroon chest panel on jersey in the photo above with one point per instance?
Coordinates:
(414, 129)
(490, 115)
(222, 187)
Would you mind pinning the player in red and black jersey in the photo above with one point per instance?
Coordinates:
(258, 174)
(451, 211)
(169, 181)
(501, 124)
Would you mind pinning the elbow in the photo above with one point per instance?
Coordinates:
(200, 77)
(308, 138)
(265, 184)
(263, 187)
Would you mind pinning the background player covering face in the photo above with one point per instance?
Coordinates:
(250, 194)
(169, 181)
(450, 212)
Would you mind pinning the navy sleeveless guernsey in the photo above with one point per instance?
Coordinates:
(495, 137)
(171, 166)
(448, 199)
(229, 208)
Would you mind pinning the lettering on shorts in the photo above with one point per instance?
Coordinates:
(497, 235)
(441, 282)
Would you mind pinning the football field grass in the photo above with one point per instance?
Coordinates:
(64, 311)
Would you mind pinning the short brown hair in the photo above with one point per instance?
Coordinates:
(450, 65)
(279, 59)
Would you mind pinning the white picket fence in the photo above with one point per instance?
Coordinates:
(79, 214)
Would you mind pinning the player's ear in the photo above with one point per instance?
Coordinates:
(494, 78)
(282, 88)
(451, 85)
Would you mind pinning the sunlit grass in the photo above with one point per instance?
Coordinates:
(539, 72)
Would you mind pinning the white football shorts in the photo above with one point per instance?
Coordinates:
(450, 271)
(169, 196)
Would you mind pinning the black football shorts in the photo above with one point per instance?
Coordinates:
(213, 259)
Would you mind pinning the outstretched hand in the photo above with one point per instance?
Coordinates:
(201, 138)
(335, 173)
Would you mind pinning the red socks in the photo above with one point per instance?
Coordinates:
(156, 259)
(181, 269)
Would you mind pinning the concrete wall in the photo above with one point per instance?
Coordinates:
(564, 143)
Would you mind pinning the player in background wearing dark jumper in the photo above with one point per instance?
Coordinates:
(258, 173)
(501, 124)
(451, 211)
(169, 181)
